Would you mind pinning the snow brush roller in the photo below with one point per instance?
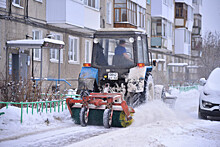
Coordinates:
(108, 109)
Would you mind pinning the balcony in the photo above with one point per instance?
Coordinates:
(159, 42)
(73, 15)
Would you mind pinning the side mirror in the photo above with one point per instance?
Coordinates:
(202, 81)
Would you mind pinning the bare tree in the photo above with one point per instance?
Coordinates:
(210, 53)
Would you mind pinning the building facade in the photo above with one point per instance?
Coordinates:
(72, 21)
(168, 24)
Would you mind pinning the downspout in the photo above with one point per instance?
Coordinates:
(41, 68)
(6, 72)
(10, 4)
(26, 10)
(59, 75)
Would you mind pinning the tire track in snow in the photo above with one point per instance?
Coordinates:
(60, 137)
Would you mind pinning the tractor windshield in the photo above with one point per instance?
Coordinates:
(113, 52)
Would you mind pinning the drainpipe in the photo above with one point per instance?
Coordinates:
(10, 3)
(59, 73)
(6, 80)
(41, 59)
(26, 10)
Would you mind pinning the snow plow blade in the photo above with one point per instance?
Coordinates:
(99, 109)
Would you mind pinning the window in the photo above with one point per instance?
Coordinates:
(87, 51)
(37, 52)
(187, 36)
(73, 52)
(148, 2)
(54, 53)
(92, 3)
(181, 10)
(156, 27)
(164, 30)
(16, 2)
(125, 11)
(142, 12)
(109, 12)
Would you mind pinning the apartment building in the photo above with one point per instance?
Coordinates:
(172, 24)
(197, 26)
(168, 23)
(72, 21)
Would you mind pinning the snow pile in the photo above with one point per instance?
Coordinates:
(153, 112)
(10, 125)
(155, 124)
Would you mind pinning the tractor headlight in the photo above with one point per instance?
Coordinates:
(207, 104)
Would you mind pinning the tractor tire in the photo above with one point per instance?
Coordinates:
(107, 120)
(83, 117)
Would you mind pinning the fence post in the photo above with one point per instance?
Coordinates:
(46, 106)
(32, 108)
(62, 105)
(21, 111)
(59, 106)
(27, 108)
(50, 107)
(37, 107)
(54, 106)
(42, 107)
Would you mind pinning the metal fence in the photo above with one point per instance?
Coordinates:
(185, 88)
(50, 106)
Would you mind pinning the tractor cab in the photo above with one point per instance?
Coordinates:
(109, 46)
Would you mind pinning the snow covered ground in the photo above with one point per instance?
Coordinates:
(155, 125)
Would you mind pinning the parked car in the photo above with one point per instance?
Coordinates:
(209, 101)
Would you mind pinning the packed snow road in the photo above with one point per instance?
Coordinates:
(155, 125)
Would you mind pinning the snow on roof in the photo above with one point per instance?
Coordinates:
(192, 66)
(159, 60)
(177, 64)
(46, 42)
(213, 82)
(119, 29)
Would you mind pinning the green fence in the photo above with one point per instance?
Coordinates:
(185, 88)
(49, 105)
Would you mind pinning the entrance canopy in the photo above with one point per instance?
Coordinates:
(45, 43)
(42, 43)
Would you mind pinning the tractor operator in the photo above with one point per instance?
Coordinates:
(120, 50)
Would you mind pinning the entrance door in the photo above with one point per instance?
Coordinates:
(19, 67)
(23, 66)
(15, 67)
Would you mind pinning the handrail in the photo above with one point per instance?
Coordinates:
(51, 79)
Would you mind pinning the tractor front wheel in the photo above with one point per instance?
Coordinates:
(107, 118)
(84, 117)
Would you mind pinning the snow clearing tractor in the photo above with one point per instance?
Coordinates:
(117, 80)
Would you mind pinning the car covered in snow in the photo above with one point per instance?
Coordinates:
(209, 101)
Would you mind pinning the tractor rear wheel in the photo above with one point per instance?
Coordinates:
(107, 120)
(83, 116)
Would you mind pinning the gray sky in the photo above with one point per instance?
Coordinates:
(210, 16)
